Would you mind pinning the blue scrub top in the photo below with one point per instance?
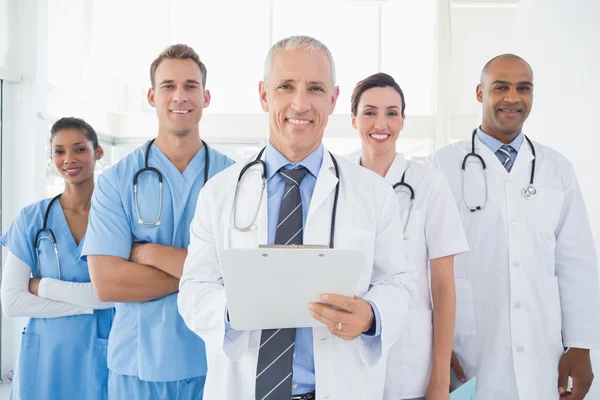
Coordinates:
(63, 357)
(150, 340)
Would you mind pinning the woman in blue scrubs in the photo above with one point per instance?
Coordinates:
(63, 347)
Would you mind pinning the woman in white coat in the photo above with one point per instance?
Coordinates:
(419, 363)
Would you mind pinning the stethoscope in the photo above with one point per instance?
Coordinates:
(412, 199)
(263, 165)
(50, 238)
(156, 172)
(529, 192)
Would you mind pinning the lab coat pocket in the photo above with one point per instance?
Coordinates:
(554, 312)
(101, 373)
(416, 355)
(544, 211)
(465, 308)
(26, 370)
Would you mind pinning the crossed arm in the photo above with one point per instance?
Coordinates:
(152, 271)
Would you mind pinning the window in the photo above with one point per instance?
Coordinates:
(348, 29)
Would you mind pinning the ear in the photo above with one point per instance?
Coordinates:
(336, 94)
(353, 117)
(99, 153)
(402, 119)
(262, 93)
(479, 93)
(150, 97)
(206, 99)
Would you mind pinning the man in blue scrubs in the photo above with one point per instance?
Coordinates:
(138, 234)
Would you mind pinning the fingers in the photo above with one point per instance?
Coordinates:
(347, 332)
(331, 314)
(581, 386)
(455, 365)
(563, 378)
(343, 302)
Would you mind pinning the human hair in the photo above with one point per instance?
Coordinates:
(177, 52)
(75, 123)
(304, 43)
(377, 80)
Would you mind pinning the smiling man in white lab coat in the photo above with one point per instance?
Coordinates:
(345, 358)
(529, 287)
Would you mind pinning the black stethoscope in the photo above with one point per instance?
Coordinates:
(160, 179)
(51, 238)
(529, 192)
(257, 160)
(412, 199)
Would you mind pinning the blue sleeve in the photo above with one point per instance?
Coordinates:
(375, 330)
(19, 237)
(109, 229)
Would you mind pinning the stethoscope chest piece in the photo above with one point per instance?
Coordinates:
(529, 192)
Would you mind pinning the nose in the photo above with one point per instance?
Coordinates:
(180, 95)
(380, 123)
(512, 96)
(69, 157)
(301, 102)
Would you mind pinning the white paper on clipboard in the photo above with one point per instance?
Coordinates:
(270, 288)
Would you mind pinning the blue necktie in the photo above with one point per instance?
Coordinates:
(276, 352)
(504, 155)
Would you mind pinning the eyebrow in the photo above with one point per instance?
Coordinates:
(321, 83)
(187, 81)
(509, 83)
(389, 107)
(60, 145)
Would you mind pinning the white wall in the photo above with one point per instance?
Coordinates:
(24, 133)
(4, 43)
(561, 40)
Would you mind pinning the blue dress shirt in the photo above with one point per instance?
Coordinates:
(303, 368)
(494, 144)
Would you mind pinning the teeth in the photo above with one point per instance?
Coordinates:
(379, 136)
(180, 111)
(508, 110)
(299, 121)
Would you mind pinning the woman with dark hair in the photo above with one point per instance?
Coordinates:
(63, 346)
(419, 362)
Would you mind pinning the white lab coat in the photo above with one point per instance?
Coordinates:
(367, 219)
(531, 273)
(434, 230)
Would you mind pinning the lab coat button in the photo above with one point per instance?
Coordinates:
(516, 264)
(520, 349)
(517, 305)
(514, 221)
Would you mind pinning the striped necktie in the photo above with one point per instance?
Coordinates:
(504, 155)
(276, 352)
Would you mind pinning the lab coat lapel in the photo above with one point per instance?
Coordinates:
(247, 205)
(524, 158)
(491, 160)
(324, 190)
(394, 173)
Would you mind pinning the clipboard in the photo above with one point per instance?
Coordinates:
(270, 287)
(466, 391)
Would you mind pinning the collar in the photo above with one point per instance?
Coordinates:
(275, 161)
(494, 144)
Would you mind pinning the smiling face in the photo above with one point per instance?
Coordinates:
(74, 156)
(299, 97)
(506, 93)
(379, 120)
(178, 96)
